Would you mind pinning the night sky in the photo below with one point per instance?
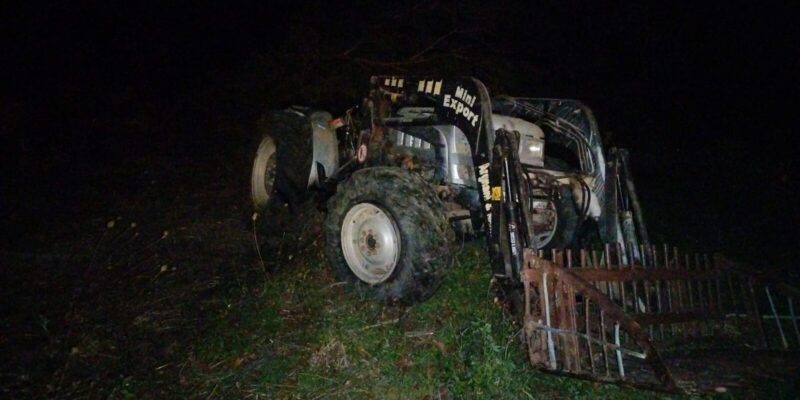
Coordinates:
(705, 97)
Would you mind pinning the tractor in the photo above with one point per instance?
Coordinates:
(422, 160)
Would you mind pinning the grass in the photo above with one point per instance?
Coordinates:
(306, 336)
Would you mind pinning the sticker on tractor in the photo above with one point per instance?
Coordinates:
(483, 179)
(393, 82)
(430, 87)
(461, 102)
(497, 193)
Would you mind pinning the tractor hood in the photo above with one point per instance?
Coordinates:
(568, 118)
(416, 100)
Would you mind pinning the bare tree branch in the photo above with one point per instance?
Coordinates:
(433, 45)
(353, 47)
(416, 58)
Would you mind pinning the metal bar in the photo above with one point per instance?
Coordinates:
(603, 338)
(746, 304)
(573, 314)
(794, 320)
(596, 264)
(597, 261)
(646, 287)
(680, 283)
(621, 285)
(635, 295)
(711, 266)
(756, 313)
(707, 296)
(634, 199)
(777, 320)
(647, 306)
(703, 302)
(710, 298)
(628, 248)
(644, 258)
(658, 294)
(670, 289)
(675, 257)
(607, 257)
(715, 301)
(677, 317)
(682, 287)
(550, 350)
(620, 365)
(562, 345)
(639, 274)
(527, 288)
(697, 326)
(765, 317)
(587, 308)
(612, 346)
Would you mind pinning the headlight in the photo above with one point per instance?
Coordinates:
(531, 150)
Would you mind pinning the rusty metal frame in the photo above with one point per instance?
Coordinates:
(587, 315)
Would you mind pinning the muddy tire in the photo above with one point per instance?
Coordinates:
(387, 233)
(282, 162)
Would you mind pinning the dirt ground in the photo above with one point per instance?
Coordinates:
(120, 284)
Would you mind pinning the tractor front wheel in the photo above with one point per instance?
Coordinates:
(387, 233)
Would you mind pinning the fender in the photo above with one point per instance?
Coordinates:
(326, 148)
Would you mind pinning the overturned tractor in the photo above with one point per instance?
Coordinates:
(422, 159)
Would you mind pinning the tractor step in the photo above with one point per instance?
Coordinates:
(592, 314)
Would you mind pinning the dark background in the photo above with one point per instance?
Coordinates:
(704, 96)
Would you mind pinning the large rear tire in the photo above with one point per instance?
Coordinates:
(263, 173)
(282, 163)
(387, 233)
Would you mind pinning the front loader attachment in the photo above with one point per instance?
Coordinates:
(632, 313)
(591, 314)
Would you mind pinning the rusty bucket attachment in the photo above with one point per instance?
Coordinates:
(592, 315)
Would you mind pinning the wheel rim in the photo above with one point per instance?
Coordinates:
(370, 243)
(542, 238)
(263, 176)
